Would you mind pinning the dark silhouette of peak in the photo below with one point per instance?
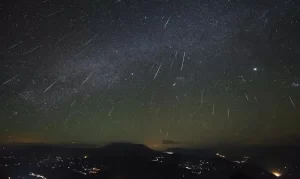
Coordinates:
(127, 148)
(239, 175)
(253, 171)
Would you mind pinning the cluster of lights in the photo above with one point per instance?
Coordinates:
(170, 153)
(37, 175)
(158, 159)
(187, 167)
(94, 170)
(294, 84)
(57, 161)
(90, 171)
(242, 161)
(197, 168)
(222, 156)
(8, 157)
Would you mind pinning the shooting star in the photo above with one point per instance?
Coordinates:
(113, 80)
(109, 114)
(292, 102)
(87, 78)
(55, 12)
(10, 80)
(167, 22)
(167, 134)
(49, 86)
(73, 102)
(255, 98)
(90, 40)
(62, 38)
(182, 61)
(13, 46)
(246, 97)
(32, 50)
(228, 113)
(172, 62)
(171, 65)
(157, 71)
(213, 110)
(202, 97)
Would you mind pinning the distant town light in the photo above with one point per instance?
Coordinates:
(170, 153)
(37, 175)
(277, 174)
(96, 169)
(155, 160)
(222, 156)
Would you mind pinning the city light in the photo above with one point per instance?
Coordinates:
(170, 153)
(37, 175)
(96, 169)
(277, 174)
(222, 156)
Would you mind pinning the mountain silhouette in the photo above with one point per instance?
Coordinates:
(127, 149)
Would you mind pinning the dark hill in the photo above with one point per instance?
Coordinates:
(118, 149)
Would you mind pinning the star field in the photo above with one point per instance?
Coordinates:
(195, 73)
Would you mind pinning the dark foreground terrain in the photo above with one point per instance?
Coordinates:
(123, 160)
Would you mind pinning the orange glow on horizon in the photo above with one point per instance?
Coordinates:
(24, 140)
(277, 174)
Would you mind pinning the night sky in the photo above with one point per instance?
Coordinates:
(157, 72)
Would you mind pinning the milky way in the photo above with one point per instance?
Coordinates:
(194, 72)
